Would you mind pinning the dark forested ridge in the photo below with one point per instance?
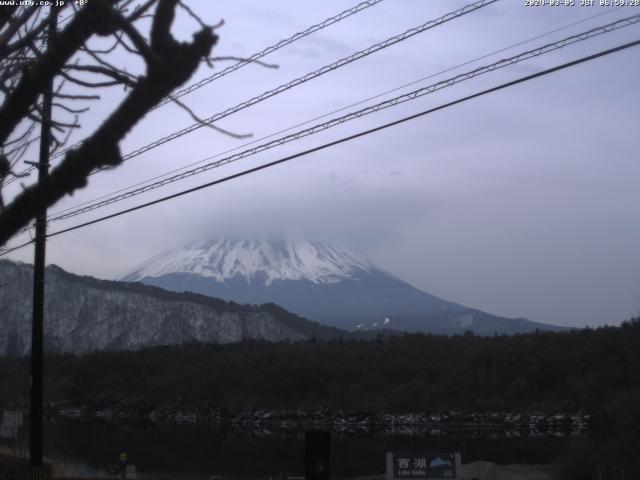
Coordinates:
(581, 370)
(84, 314)
(593, 372)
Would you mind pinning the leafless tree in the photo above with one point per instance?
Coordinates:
(29, 62)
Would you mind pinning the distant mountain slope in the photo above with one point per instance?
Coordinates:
(84, 314)
(266, 262)
(319, 281)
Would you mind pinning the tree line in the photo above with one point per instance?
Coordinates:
(572, 371)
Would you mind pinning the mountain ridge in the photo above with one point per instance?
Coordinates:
(276, 260)
(339, 288)
(83, 314)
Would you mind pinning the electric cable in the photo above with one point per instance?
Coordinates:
(251, 59)
(472, 7)
(341, 140)
(266, 51)
(356, 114)
(306, 122)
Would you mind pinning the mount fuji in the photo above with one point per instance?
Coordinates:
(318, 281)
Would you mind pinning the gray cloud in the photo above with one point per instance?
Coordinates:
(522, 203)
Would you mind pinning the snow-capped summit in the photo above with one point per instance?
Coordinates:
(266, 261)
(318, 281)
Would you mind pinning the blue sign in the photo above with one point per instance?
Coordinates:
(423, 466)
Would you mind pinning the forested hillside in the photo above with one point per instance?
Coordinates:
(84, 314)
(561, 371)
(592, 372)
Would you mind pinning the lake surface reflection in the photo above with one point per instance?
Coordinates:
(202, 451)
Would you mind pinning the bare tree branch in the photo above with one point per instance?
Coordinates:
(118, 77)
(76, 97)
(228, 58)
(138, 40)
(14, 25)
(68, 109)
(208, 124)
(93, 18)
(85, 84)
(169, 65)
(193, 15)
(141, 10)
(33, 33)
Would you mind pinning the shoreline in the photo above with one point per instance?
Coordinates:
(515, 424)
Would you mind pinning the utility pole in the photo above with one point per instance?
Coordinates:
(37, 332)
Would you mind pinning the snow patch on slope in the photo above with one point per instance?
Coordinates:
(251, 259)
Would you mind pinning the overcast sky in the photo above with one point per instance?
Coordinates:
(520, 203)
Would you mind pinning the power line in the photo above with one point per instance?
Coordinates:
(310, 76)
(298, 81)
(455, 67)
(342, 140)
(282, 43)
(392, 102)
(256, 56)
(358, 114)
(412, 95)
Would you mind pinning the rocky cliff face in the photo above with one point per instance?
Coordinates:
(84, 314)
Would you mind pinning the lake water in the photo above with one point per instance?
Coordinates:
(201, 451)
